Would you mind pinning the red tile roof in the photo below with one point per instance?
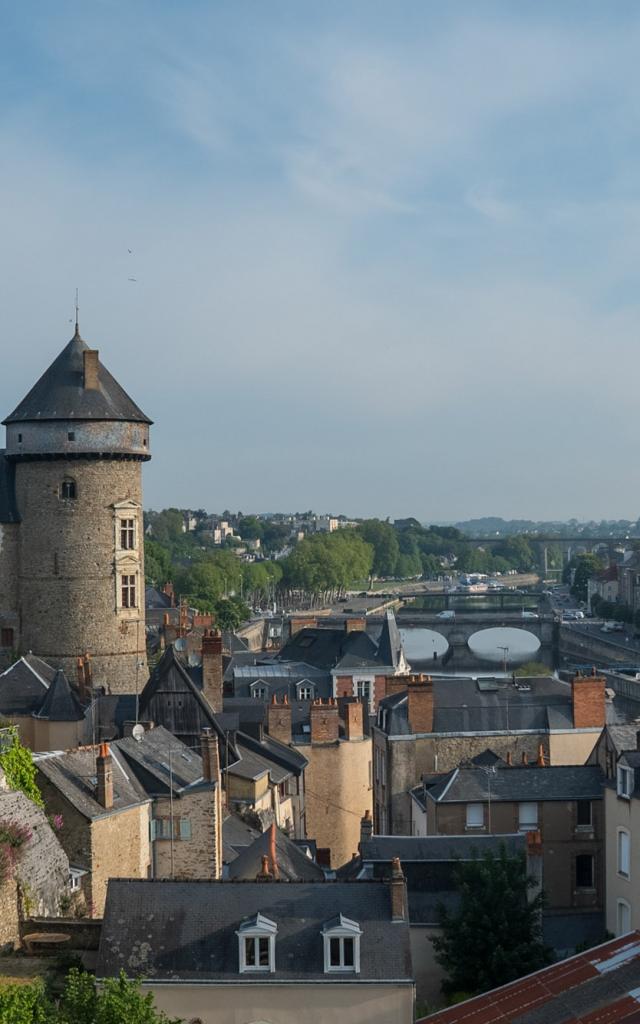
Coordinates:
(601, 986)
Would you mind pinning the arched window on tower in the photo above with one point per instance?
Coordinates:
(68, 489)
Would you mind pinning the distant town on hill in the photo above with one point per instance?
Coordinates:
(487, 526)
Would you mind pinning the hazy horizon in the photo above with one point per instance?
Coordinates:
(385, 258)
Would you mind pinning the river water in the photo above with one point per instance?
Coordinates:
(487, 644)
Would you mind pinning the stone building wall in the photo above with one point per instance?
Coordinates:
(120, 848)
(199, 856)
(42, 870)
(9, 589)
(9, 922)
(69, 587)
(338, 790)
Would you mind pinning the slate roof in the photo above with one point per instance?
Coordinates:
(60, 395)
(110, 712)
(237, 835)
(8, 507)
(430, 849)
(73, 772)
(60, 703)
(324, 648)
(256, 760)
(161, 762)
(23, 686)
(171, 676)
(599, 985)
(182, 931)
(530, 783)
(42, 867)
(293, 864)
(390, 642)
(460, 707)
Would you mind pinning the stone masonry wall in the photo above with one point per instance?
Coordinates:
(68, 590)
(9, 587)
(197, 857)
(43, 867)
(9, 923)
(337, 793)
(120, 848)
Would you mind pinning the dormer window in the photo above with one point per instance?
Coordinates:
(257, 945)
(305, 690)
(259, 689)
(341, 939)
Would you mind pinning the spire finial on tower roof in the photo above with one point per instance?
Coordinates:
(77, 334)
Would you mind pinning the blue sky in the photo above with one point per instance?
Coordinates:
(387, 255)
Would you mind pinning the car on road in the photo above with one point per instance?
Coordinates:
(446, 614)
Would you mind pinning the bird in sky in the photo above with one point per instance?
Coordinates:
(129, 251)
(132, 279)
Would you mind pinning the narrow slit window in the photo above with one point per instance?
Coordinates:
(68, 490)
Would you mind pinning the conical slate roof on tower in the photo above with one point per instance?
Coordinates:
(60, 703)
(60, 393)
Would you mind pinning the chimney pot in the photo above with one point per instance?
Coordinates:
(398, 892)
(104, 776)
(525, 759)
(509, 759)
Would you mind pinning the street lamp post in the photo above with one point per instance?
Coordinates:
(505, 652)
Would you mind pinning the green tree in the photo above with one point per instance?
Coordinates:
(250, 528)
(157, 563)
(495, 934)
(166, 526)
(586, 566)
(17, 764)
(384, 541)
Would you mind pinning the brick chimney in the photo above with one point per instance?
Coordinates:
(168, 591)
(395, 684)
(588, 701)
(351, 625)
(366, 826)
(398, 892)
(420, 704)
(210, 756)
(212, 669)
(354, 719)
(104, 774)
(325, 722)
(279, 719)
(264, 875)
(90, 367)
(273, 853)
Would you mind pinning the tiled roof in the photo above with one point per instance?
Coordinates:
(186, 931)
(600, 985)
(8, 507)
(236, 836)
(553, 782)
(60, 394)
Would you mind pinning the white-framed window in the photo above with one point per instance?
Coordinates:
(475, 815)
(341, 938)
(527, 817)
(623, 917)
(128, 590)
(624, 787)
(306, 690)
(257, 945)
(75, 874)
(127, 534)
(259, 689)
(363, 689)
(624, 853)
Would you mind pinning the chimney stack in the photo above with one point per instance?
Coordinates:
(509, 759)
(420, 704)
(398, 892)
(540, 762)
(279, 720)
(325, 722)
(264, 875)
(366, 826)
(104, 773)
(353, 625)
(588, 701)
(273, 854)
(525, 759)
(212, 672)
(354, 719)
(90, 367)
(210, 756)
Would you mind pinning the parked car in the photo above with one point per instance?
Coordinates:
(446, 614)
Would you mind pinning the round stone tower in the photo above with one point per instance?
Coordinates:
(78, 443)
